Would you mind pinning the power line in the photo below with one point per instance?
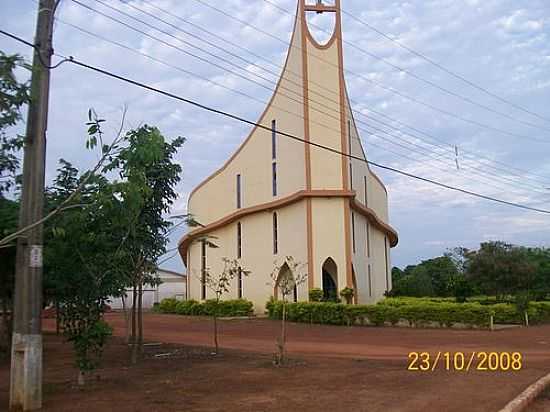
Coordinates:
(420, 78)
(263, 78)
(443, 68)
(444, 145)
(380, 85)
(246, 78)
(265, 103)
(291, 136)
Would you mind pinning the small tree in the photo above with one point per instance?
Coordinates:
(285, 278)
(220, 284)
(347, 293)
(316, 295)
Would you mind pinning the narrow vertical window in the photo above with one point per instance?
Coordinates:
(370, 282)
(274, 175)
(240, 284)
(366, 193)
(273, 139)
(353, 230)
(387, 263)
(368, 239)
(275, 235)
(239, 240)
(239, 199)
(203, 270)
(295, 293)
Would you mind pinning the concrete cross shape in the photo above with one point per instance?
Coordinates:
(320, 8)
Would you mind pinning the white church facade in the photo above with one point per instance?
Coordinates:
(277, 197)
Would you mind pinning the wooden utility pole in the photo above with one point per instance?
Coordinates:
(26, 355)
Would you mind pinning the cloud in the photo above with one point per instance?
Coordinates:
(500, 44)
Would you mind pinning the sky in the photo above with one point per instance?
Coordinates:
(414, 116)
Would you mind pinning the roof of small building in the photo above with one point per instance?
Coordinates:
(171, 272)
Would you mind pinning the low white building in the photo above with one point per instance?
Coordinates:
(174, 285)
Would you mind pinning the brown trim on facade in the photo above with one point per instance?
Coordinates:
(337, 24)
(344, 143)
(240, 213)
(307, 148)
(376, 221)
(319, 8)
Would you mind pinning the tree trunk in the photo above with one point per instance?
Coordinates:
(57, 325)
(133, 337)
(81, 378)
(126, 317)
(5, 337)
(282, 340)
(216, 333)
(140, 318)
(284, 326)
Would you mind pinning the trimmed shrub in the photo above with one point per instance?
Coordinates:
(417, 314)
(225, 308)
(168, 305)
(315, 295)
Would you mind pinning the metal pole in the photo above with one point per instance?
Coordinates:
(26, 356)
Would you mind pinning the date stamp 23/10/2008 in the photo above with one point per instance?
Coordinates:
(465, 362)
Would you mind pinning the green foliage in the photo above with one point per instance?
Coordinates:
(112, 232)
(462, 289)
(433, 277)
(168, 305)
(499, 268)
(13, 97)
(223, 308)
(416, 311)
(315, 295)
(347, 293)
(88, 334)
(522, 302)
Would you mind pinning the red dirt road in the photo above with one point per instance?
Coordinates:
(334, 368)
(259, 335)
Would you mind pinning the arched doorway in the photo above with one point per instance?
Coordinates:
(286, 280)
(330, 280)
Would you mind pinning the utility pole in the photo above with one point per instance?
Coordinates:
(26, 355)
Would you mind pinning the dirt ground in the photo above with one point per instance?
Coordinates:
(542, 404)
(332, 368)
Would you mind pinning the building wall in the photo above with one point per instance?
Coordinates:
(216, 197)
(173, 286)
(300, 168)
(257, 253)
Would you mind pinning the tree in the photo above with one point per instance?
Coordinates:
(148, 176)
(13, 98)
(347, 293)
(220, 284)
(14, 95)
(431, 277)
(83, 261)
(9, 211)
(540, 285)
(501, 269)
(286, 277)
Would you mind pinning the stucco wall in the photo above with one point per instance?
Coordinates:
(216, 197)
(331, 226)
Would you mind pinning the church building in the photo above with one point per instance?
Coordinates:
(277, 196)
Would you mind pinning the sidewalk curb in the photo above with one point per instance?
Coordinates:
(521, 402)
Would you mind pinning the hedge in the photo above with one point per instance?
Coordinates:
(416, 313)
(226, 308)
